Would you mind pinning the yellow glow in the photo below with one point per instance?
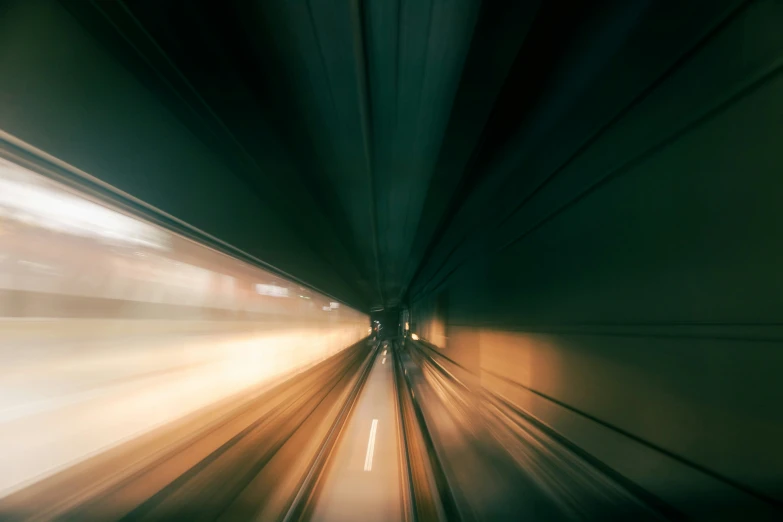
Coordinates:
(121, 375)
(407, 326)
(414, 337)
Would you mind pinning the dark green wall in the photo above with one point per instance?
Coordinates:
(636, 295)
(65, 92)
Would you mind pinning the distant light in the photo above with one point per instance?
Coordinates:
(272, 290)
(334, 306)
(414, 337)
(304, 297)
(326, 308)
(407, 325)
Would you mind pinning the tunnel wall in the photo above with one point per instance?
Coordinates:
(634, 303)
(67, 93)
(111, 326)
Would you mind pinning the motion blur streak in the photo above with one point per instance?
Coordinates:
(563, 218)
(503, 467)
(112, 326)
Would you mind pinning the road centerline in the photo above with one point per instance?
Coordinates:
(370, 446)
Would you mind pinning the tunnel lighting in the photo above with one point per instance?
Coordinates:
(304, 297)
(407, 326)
(28, 198)
(414, 337)
(326, 308)
(272, 290)
(334, 306)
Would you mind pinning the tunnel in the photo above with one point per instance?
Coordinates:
(394, 260)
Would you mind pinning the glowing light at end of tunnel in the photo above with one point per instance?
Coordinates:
(414, 337)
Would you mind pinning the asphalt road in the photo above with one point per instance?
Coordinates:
(363, 479)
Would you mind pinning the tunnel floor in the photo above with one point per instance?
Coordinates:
(381, 431)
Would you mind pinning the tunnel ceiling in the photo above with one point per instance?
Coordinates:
(398, 137)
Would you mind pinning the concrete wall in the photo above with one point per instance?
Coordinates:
(634, 302)
(111, 326)
(67, 93)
